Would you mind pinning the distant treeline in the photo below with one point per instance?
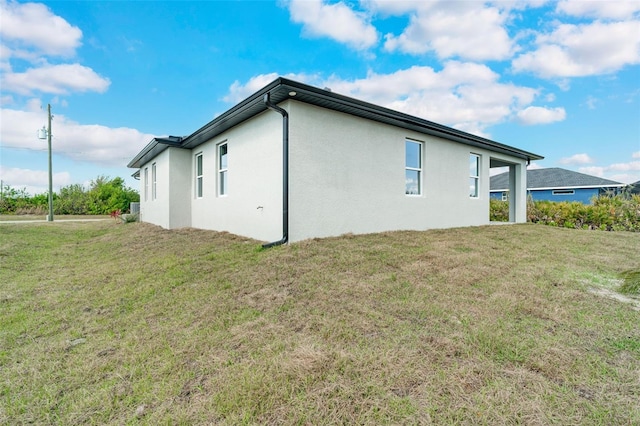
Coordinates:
(607, 213)
(103, 196)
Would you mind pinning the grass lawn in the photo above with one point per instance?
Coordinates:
(106, 323)
(27, 217)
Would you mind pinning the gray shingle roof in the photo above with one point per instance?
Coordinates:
(555, 178)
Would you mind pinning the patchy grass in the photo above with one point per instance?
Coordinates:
(62, 217)
(131, 324)
(631, 284)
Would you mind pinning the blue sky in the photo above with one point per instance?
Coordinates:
(560, 79)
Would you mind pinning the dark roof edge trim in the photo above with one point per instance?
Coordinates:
(425, 126)
(281, 88)
(153, 146)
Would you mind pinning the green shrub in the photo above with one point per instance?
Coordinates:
(104, 196)
(498, 210)
(606, 213)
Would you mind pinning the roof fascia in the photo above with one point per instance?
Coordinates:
(282, 89)
(153, 148)
(408, 121)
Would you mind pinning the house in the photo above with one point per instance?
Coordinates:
(634, 188)
(556, 184)
(293, 162)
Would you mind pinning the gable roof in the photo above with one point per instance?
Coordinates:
(554, 178)
(283, 89)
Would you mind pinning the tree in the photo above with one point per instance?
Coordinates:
(107, 195)
(73, 199)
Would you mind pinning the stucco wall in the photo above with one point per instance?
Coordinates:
(156, 210)
(348, 175)
(171, 207)
(253, 206)
(179, 181)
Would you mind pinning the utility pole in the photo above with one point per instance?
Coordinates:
(50, 217)
(41, 135)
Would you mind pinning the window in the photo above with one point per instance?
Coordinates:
(153, 181)
(505, 196)
(222, 170)
(474, 175)
(413, 168)
(563, 192)
(146, 183)
(199, 176)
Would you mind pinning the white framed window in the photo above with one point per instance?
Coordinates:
(413, 168)
(474, 176)
(199, 176)
(563, 192)
(154, 194)
(223, 176)
(146, 183)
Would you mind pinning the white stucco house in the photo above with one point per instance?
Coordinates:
(293, 162)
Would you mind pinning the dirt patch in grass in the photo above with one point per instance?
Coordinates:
(634, 302)
(129, 323)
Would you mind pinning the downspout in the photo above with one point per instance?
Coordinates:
(285, 172)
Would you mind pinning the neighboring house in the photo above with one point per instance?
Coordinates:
(634, 188)
(556, 184)
(293, 162)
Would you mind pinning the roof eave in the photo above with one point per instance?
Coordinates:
(153, 148)
(282, 89)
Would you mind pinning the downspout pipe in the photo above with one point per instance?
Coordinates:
(285, 172)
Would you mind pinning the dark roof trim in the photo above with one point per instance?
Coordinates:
(283, 89)
(153, 149)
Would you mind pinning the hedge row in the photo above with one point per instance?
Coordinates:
(607, 213)
(103, 196)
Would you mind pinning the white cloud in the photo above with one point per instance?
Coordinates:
(84, 142)
(540, 115)
(6, 100)
(620, 172)
(33, 181)
(534, 166)
(593, 170)
(57, 79)
(336, 21)
(635, 155)
(577, 159)
(582, 50)
(603, 9)
(467, 96)
(33, 24)
(591, 102)
(31, 32)
(468, 30)
(625, 167)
